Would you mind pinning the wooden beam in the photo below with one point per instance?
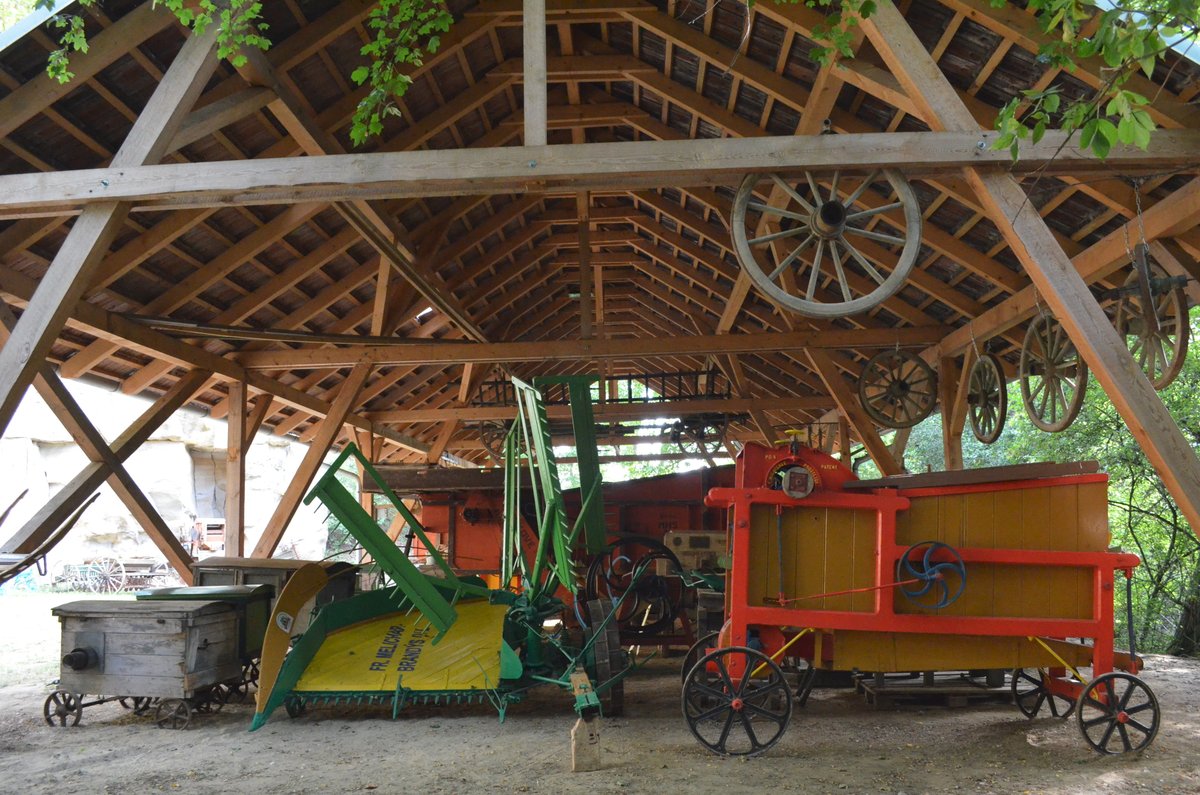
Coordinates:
(954, 388)
(73, 493)
(236, 448)
(67, 277)
(331, 429)
(596, 166)
(534, 58)
(1051, 270)
(92, 444)
(463, 352)
(611, 411)
(848, 406)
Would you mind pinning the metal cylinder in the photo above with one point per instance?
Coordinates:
(79, 659)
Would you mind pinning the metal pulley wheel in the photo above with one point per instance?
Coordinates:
(817, 261)
(1030, 693)
(1158, 340)
(1117, 713)
(987, 398)
(897, 389)
(651, 601)
(1053, 375)
(737, 702)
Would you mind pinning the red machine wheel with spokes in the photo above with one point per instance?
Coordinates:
(1117, 713)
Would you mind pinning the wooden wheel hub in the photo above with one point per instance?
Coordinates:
(829, 221)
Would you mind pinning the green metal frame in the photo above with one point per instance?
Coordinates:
(425, 593)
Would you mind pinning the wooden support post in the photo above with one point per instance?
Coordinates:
(847, 403)
(534, 58)
(331, 429)
(1051, 270)
(844, 440)
(949, 378)
(236, 447)
(585, 265)
(68, 276)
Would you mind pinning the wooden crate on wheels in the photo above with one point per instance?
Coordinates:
(175, 657)
(956, 571)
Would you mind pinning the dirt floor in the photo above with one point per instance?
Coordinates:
(836, 744)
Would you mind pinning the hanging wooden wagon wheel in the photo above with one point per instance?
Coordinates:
(1053, 375)
(812, 264)
(1158, 342)
(987, 399)
(897, 389)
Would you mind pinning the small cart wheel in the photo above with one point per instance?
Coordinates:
(737, 718)
(697, 651)
(238, 693)
(213, 699)
(295, 706)
(1117, 713)
(1159, 348)
(250, 672)
(173, 713)
(987, 399)
(63, 708)
(1030, 693)
(1054, 376)
(897, 389)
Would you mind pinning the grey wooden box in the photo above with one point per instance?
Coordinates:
(153, 649)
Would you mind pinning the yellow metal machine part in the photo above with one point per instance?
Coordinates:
(831, 550)
(373, 655)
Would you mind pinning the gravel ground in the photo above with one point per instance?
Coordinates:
(837, 744)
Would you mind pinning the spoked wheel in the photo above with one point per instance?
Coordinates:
(1117, 713)
(173, 713)
(742, 715)
(1158, 342)
(295, 706)
(651, 603)
(608, 658)
(1030, 693)
(109, 575)
(63, 708)
(701, 437)
(987, 399)
(897, 389)
(817, 261)
(698, 650)
(493, 434)
(1053, 375)
(213, 699)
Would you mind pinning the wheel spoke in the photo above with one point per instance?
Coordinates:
(838, 261)
(814, 277)
(862, 261)
(790, 258)
(725, 732)
(876, 236)
(866, 183)
(767, 208)
(704, 716)
(793, 232)
(754, 743)
(1124, 737)
(883, 208)
(812, 185)
(791, 192)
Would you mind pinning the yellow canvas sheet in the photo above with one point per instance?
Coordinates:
(371, 655)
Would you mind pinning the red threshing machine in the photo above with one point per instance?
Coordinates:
(982, 569)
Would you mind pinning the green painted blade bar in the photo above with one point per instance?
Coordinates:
(419, 589)
(534, 409)
(583, 423)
